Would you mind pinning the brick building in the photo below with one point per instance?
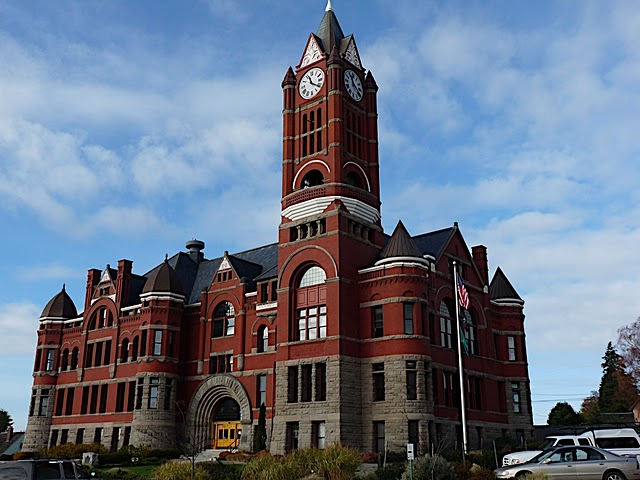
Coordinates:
(344, 332)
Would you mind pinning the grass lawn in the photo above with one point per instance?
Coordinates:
(140, 470)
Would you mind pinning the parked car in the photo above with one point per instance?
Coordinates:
(578, 462)
(623, 441)
(42, 470)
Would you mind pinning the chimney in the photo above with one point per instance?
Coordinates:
(479, 253)
(195, 247)
(93, 278)
(9, 433)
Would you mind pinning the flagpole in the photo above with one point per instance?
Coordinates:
(463, 410)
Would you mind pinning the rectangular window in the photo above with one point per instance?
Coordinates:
(474, 393)
(54, 438)
(264, 293)
(153, 392)
(218, 328)
(44, 402)
(436, 388)
(64, 436)
(312, 322)
(157, 342)
(115, 439)
(293, 429)
(378, 324)
(450, 389)
(80, 436)
(321, 382)
(139, 393)
(97, 435)
(306, 383)
(107, 352)
(85, 400)
(89, 356)
(432, 326)
(408, 318)
(59, 401)
(104, 395)
(170, 341)
(274, 291)
(168, 389)
(143, 343)
(515, 390)
(98, 357)
(292, 389)
(446, 333)
(414, 437)
(50, 355)
(70, 396)
(511, 344)
(378, 382)
(378, 437)
(318, 434)
(127, 436)
(231, 326)
(132, 396)
(32, 403)
(412, 380)
(262, 390)
(120, 391)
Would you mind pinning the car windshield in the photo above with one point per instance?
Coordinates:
(548, 444)
(541, 456)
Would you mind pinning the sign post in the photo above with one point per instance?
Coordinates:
(410, 458)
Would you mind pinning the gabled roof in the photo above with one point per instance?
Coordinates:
(400, 244)
(433, 243)
(500, 288)
(60, 306)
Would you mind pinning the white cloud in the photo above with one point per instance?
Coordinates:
(19, 324)
(52, 271)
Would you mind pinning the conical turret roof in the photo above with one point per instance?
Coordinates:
(60, 306)
(163, 279)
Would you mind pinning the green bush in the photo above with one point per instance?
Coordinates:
(71, 450)
(164, 453)
(178, 471)
(107, 459)
(392, 471)
(535, 476)
(118, 474)
(267, 467)
(338, 463)
(220, 471)
(429, 467)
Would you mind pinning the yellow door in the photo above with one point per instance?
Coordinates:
(226, 435)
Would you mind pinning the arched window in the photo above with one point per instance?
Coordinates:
(134, 348)
(446, 324)
(74, 358)
(263, 338)
(99, 319)
(64, 363)
(311, 305)
(223, 320)
(353, 179)
(124, 351)
(312, 179)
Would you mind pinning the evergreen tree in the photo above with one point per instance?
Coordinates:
(618, 392)
(260, 436)
(563, 414)
(5, 420)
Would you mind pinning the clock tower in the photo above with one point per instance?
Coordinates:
(330, 229)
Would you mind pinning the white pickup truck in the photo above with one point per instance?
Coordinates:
(621, 441)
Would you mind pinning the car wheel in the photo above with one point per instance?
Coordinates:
(614, 475)
(520, 475)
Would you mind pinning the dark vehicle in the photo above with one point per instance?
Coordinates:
(42, 470)
(575, 463)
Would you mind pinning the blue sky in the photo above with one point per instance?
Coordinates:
(128, 128)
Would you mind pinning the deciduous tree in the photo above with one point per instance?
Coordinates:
(5, 420)
(563, 414)
(629, 347)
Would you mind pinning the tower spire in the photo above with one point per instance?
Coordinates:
(329, 7)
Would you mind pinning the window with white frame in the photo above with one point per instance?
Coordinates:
(511, 347)
(223, 320)
(311, 309)
(446, 328)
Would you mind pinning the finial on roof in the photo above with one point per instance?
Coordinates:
(63, 286)
(166, 257)
(329, 7)
(455, 224)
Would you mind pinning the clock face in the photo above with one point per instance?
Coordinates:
(353, 85)
(311, 83)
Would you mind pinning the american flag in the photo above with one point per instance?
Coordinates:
(462, 294)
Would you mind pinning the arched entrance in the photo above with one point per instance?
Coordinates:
(226, 427)
(219, 413)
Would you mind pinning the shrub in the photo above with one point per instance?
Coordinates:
(23, 455)
(430, 467)
(121, 457)
(164, 453)
(178, 471)
(392, 471)
(338, 463)
(71, 450)
(481, 473)
(266, 467)
(535, 476)
(119, 474)
(220, 471)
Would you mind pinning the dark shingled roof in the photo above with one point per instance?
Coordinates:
(400, 244)
(60, 306)
(329, 32)
(254, 265)
(163, 279)
(501, 288)
(433, 243)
